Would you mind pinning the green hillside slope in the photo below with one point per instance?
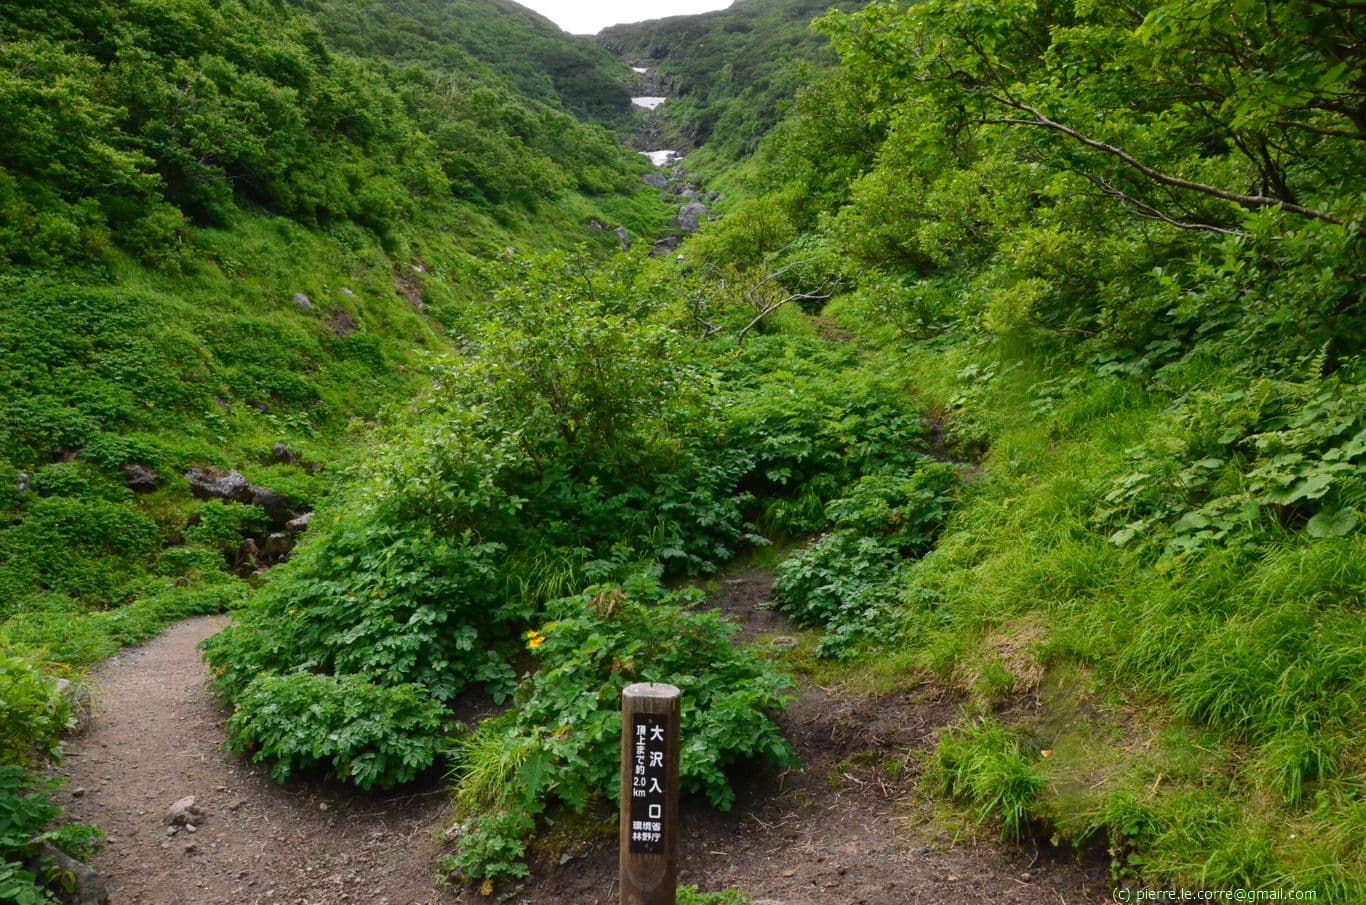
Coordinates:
(525, 49)
(1115, 250)
(229, 237)
(733, 72)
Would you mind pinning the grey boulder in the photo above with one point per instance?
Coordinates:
(87, 884)
(140, 478)
(278, 545)
(690, 216)
(212, 484)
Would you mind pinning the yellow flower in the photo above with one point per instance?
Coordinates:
(534, 640)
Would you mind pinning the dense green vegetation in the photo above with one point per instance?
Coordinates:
(1117, 249)
(473, 36)
(227, 227)
(732, 73)
(583, 437)
(1112, 250)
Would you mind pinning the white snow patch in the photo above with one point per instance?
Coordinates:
(662, 158)
(648, 103)
(639, 70)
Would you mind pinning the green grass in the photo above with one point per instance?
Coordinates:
(1203, 713)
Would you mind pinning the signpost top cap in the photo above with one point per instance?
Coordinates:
(651, 690)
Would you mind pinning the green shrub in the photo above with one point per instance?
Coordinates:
(813, 420)
(25, 814)
(1238, 460)
(561, 746)
(221, 526)
(689, 895)
(26, 822)
(846, 582)
(33, 711)
(372, 735)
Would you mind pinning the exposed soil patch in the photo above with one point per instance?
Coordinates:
(744, 597)
(156, 736)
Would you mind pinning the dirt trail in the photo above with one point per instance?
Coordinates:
(156, 736)
(839, 831)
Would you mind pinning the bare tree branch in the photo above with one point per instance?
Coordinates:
(1147, 212)
(1252, 202)
(774, 306)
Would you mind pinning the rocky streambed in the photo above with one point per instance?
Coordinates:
(676, 187)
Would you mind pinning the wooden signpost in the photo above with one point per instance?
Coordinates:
(649, 794)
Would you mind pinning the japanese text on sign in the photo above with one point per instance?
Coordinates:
(649, 753)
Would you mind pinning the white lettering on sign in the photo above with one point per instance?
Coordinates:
(649, 774)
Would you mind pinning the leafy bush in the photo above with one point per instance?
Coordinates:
(813, 421)
(25, 814)
(372, 735)
(561, 746)
(846, 581)
(564, 447)
(34, 713)
(1288, 453)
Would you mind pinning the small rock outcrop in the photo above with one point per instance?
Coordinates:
(232, 487)
(275, 504)
(690, 216)
(666, 245)
(23, 482)
(278, 545)
(211, 484)
(302, 302)
(87, 884)
(624, 237)
(184, 812)
(656, 181)
(284, 455)
(140, 478)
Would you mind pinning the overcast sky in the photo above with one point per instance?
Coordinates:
(588, 17)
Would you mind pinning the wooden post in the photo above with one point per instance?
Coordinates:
(649, 794)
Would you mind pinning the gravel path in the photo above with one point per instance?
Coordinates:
(156, 736)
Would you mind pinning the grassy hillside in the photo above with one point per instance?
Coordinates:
(1103, 258)
(220, 229)
(732, 73)
(527, 50)
(1136, 308)
(228, 239)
